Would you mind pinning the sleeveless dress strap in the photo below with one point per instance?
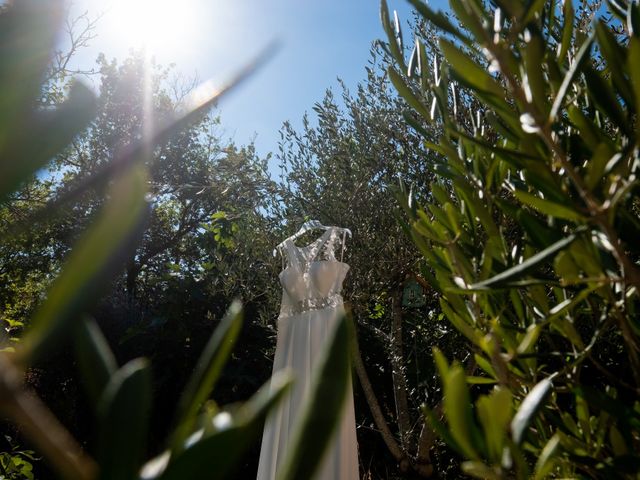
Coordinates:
(291, 254)
(325, 241)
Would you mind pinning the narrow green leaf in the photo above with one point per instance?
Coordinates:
(480, 470)
(520, 270)
(48, 133)
(633, 18)
(223, 447)
(582, 56)
(566, 306)
(535, 82)
(457, 406)
(440, 20)
(28, 31)
(415, 124)
(474, 335)
(540, 234)
(534, 9)
(484, 364)
(440, 429)
(423, 61)
(626, 416)
(95, 359)
(124, 417)
(582, 412)
(567, 29)
(320, 413)
(94, 259)
(616, 57)
(589, 133)
(469, 70)
(406, 93)
(548, 207)
(618, 443)
(513, 9)
(413, 66)
(528, 409)
(617, 8)
(474, 380)
(206, 372)
(606, 98)
(394, 48)
(634, 73)
(495, 411)
(530, 338)
(441, 363)
(545, 463)
(471, 17)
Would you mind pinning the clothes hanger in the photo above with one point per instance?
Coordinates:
(307, 226)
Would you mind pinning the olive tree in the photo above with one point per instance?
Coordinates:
(530, 233)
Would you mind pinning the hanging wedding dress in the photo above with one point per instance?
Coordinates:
(311, 305)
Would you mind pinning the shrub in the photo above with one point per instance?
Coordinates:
(531, 233)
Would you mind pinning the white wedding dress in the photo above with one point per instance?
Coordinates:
(311, 305)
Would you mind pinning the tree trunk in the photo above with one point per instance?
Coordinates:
(398, 372)
(374, 406)
(132, 276)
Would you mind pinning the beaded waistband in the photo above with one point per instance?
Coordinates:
(309, 304)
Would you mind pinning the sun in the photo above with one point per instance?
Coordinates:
(153, 24)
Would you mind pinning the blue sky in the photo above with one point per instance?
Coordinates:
(321, 40)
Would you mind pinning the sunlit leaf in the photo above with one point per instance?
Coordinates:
(521, 269)
(567, 29)
(495, 411)
(467, 69)
(124, 412)
(529, 408)
(95, 358)
(207, 372)
(480, 470)
(582, 56)
(222, 448)
(548, 207)
(457, 406)
(394, 48)
(545, 462)
(407, 93)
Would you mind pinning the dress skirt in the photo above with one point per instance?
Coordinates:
(301, 338)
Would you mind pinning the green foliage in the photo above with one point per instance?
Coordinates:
(17, 463)
(117, 176)
(530, 236)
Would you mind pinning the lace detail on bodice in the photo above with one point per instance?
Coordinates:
(308, 304)
(313, 278)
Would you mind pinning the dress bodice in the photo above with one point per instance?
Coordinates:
(313, 277)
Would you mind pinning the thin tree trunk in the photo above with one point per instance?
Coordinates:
(398, 376)
(405, 463)
(374, 405)
(132, 275)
